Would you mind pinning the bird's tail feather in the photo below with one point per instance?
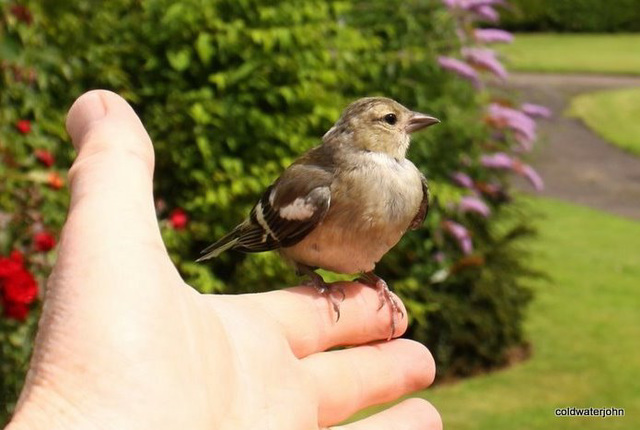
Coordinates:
(226, 242)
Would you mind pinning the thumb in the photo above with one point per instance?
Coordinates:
(105, 291)
(111, 181)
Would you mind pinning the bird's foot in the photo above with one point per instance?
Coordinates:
(384, 295)
(325, 289)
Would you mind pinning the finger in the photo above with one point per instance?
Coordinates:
(102, 280)
(411, 414)
(111, 234)
(349, 380)
(112, 204)
(309, 321)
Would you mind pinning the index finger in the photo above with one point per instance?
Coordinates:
(309, 322)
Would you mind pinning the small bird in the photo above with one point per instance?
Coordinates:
(343, 204)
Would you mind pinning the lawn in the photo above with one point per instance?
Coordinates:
(614, 115)
(570, 53)
(584, 326)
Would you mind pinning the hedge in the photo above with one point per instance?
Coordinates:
(579, 16)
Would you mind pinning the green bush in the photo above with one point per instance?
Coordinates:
(590, 16)
(231, 92)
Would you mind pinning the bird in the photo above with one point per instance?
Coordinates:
(343, 204)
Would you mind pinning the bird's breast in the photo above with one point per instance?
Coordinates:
(372, 205)
(387, 191)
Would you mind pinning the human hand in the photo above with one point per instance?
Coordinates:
(124, 343)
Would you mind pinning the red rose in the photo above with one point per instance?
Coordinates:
(44, 241)
(178, 219)
(17, 311)
(9, 266)
(45, 157)
(22, 13)
(24, 126)
(20, 288)
(55, 181)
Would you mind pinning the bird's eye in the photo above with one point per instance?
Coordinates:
(390, 118)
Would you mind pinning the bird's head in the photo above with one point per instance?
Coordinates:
(378, 124)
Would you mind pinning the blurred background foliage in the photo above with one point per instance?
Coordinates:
(577, 16)
(231, 91)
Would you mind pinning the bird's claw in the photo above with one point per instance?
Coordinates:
(369, 278)
(384, 295)
(328, 290)
(325, 289)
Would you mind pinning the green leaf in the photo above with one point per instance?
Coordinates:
(9, 48)
(204, 47)
(180, 59)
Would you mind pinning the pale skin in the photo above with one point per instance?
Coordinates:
(124, 343)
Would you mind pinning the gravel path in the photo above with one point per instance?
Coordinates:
(576, 164)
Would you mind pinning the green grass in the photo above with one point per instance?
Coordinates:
(588, 53)
(614, 115)
(584, 326)
(585, 330)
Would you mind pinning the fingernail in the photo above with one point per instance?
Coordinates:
(88, 108)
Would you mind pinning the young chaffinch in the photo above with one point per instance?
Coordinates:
(342, 205)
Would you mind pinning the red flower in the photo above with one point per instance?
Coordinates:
(44, 241)
(22, 13)
(21, 287)
(55, 180)
(45, 157)
(11, 265)
(18, 287)
(178, 219)
(24, 126)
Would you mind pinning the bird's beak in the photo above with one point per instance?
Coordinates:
(419, 121)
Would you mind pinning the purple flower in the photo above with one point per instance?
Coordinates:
(500, 160)
(459, 67)
(470, 4)
(474, 204)
(492, 35)
(513, 119)
(536, 111)
(460, 234)
(463, 180)
(486, 59)
(533, 177)
(486, 13)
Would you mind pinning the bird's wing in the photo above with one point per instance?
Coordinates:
(424, 206)
(287, 211)
(290, 208)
